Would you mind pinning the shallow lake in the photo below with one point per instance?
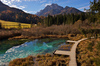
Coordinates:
(35, 47)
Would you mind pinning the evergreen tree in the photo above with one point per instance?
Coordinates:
(0, 26)
(19, 25)
(31, 24)
(95, 8)
(64, 19)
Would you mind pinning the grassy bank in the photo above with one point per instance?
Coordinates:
(5, 34)
(42, 60)
(88, 53)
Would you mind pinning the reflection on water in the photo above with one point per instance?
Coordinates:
(30, 48)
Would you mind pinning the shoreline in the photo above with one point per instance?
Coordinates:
(69, 36)
(38, 37)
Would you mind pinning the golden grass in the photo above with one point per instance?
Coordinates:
(75, 37)
(9, 24)
(88, 52)
(28, 61)
(41, 60)
(52, 60)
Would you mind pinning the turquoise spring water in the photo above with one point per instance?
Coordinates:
(30, 48)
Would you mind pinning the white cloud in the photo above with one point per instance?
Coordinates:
(47, 4)
(32, 12)
(20, 7)
(84, 7)
(11, 3)
(25, 11)
(42, 1)
(8, 2)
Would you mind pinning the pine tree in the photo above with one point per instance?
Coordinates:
(19, 26)
(95, 8)
(31, 24)
(0, 26)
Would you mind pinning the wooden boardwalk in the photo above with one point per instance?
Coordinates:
(70, 41)
(60, 52)
(71, 53)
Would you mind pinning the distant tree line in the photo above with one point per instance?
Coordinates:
(67, 19)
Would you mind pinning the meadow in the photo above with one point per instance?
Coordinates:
(9, 24)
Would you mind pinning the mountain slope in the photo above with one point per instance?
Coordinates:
(4, 7)
(55, 9)
(16, 15)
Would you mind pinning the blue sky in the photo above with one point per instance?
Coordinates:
(34, 6)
